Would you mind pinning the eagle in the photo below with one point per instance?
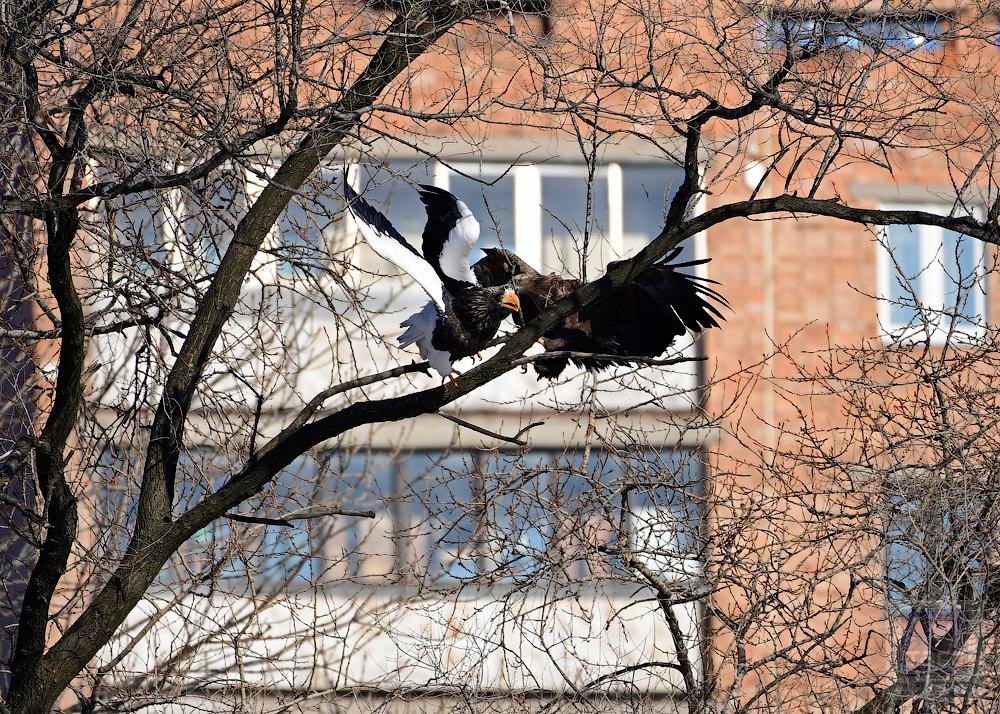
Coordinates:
(462, 315)
(640, 320)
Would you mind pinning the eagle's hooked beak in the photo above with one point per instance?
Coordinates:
(511, 300)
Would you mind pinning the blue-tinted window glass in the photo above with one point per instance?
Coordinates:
(287, 556)
(453, 500)
(666, 513)
(958, 257)
(905, 562)
(139, 230)
(311, 550)
(564, 210)
(308, 222)
(456, 515)
(369, 480)
(516, 526)
(492, 204)
(935, 545)
(391, 188)
(648, 191)
(918, 32)
(114, 478)
(904, 246)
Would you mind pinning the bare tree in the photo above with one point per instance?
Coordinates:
(872, 589)
(184, 233)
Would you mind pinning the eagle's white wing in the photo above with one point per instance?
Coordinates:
(385, 240)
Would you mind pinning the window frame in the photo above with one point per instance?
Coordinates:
(931, 284)
(525, 233)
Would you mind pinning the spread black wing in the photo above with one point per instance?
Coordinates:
(450, 234)
(641, 319)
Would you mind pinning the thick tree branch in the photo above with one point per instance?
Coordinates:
(60, 502)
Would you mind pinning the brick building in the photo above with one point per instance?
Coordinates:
(659, 550)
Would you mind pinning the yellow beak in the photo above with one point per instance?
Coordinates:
(511, 300)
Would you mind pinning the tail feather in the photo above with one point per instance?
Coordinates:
(419, 328)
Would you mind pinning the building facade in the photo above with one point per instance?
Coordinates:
(790, 517)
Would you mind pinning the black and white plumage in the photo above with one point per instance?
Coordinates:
(642, 319)
(462, 315)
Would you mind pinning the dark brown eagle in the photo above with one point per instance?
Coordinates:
(641, 320)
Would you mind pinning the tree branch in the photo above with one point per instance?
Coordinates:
(614, 359)
(286, 521)
(509, 439)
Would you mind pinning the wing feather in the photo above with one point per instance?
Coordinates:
(385, 240)
(642, 319)
(450, 234)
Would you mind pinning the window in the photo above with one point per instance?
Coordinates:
(443, 516)
(453, 515)
(892, 31)
(930, 281)
(191, 227)
(538, 211)
(940, 560)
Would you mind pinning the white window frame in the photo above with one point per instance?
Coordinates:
(930, 284)
(528, 210)
(525, 236)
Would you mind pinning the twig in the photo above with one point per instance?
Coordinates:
(286, 521)
(530, 426)
(510, 439)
